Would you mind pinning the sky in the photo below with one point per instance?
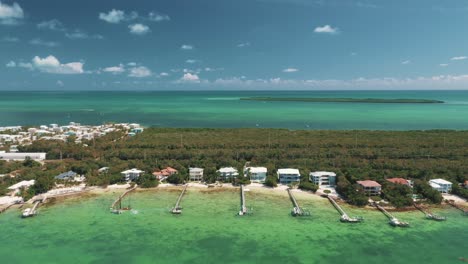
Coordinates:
(233, 45)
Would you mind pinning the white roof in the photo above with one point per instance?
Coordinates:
(257, 169)
(439, 181)
(21, 184)
(227, 170)
(196, 169)
(133, 171)
(288, 171)
(322, 173)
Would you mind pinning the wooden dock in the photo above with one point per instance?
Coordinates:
(177, 209)
(429, 214)
(297, 210)
(344, 217)
(452, 203)
(243, 210)
(119, 201)
(29, 212)
(393, 220)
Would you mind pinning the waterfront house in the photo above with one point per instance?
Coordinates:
(370, 187)
(323, 178)
(195, 174)
(103, 170)
(132, 174)
(441, 185)
(256, 174)
(400, 181)
(70, 176)
(288, 176)
(164, 173)
(227, 173)
(21, 184)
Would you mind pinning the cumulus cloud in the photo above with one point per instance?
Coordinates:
(189, 77)
(51, 64)
(79, 34)
(115, 69)
(157, 17)
(11, 64)
(191, 61)
(139, 29)
(139, 72)
(164, 74)
(114, 16)
(54, 25)
(10, 14)
(327, 29)
(186, 47)
(290, 70)
(40, 42)
(459, 58)
(406, 62)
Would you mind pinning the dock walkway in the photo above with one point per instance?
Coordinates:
(297, 210)
(344, 217)
(452, 203)
(429, 214)
(243, 210)
(177, 209)
(393, 220)
(119, 201)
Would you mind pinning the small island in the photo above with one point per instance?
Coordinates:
(344, 100)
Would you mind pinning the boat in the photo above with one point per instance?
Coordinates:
(28, 212)
(347, 219)
(395, 222)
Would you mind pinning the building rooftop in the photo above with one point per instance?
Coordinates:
(322, 173)
(66, 175)
(440, 181)
(227, 170)
(369, 183)
(256, 169)
(134, 170)
(22, 184)
(195, 169)
(288, 171)
(398, 181)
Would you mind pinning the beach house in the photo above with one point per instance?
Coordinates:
(288, 176)
(323, 178)
(400, 181)
(441, 185)
(22, 184)
(370, 187)
(132, 174)
(164, 173)
(195, 174)
(70, 176)
(256, 174)
(227, 173)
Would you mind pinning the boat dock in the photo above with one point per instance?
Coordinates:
(29, 212)
(429, 215)
(344, 217)
(297, 210)
(452, 203)
(119, 201)
(243, 210)
(177, 209)
(393, 220)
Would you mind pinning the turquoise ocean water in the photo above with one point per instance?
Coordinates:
(224, 109)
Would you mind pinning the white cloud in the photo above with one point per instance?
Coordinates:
(443, 65)
(40, 42)
(51, 64)
(114, 16)
(54, 25)
(191, 61)
(139, 29)
(10, 39)
(290, 70)
(11, 64)
(79, 34)
(243, 45)
(10, 14)
(164, 74)
(406, 62)
(153, 16)
(26, 65)
(208, 69)
(186, 47)
(140, 72)
(459, 58)
(327, 29)
(115, 69)
(132, 64)
(189, 77)
(353, 54)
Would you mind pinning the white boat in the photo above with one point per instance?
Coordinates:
(28, 212)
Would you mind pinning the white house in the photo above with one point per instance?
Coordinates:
(133, 174)
(288, 176)
(22, 156)
(441, 185)
(257, 174)
(371, 188)
(323, 178)
(228, 173)
(21, 184)
(195, 174)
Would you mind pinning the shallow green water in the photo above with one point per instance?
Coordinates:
(83, 231)
(224, 109)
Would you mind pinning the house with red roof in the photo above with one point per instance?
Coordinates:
(164, 173)
(370, 187)
(400, 181)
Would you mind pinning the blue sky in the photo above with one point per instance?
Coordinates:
(242, 44)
